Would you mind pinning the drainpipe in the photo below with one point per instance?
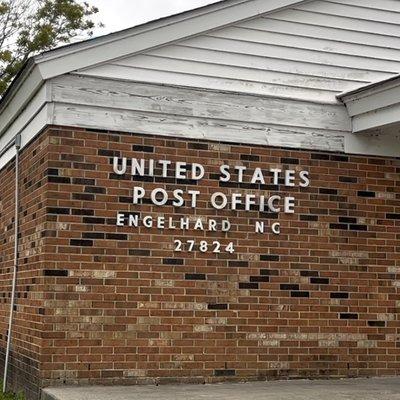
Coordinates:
(17, 143)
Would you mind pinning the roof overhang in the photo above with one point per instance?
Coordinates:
(375, 107)
(127, 42)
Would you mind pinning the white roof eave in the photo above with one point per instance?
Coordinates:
(135, 40)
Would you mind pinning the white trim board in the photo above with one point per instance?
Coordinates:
(374, 108)
(189, 113)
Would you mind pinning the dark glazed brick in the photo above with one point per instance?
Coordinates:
(238, 264)
(347, 179)
(269, 257)
(289, 286)
(144, 178)
(144, 149)
(83, 181)
(339, 295)
(339, 158)
(109, 153)
(328, 191)
(393, 216)
(319, 281)
(55, 272)
(269, 272)
(82, 211)
(259, 279)
(58, 210)
(51, 172)
(224, 372)
(195, 277)
(248, 285)
(198, 146)
(95, 189)
(293, 161)
(81, 242)
(139, 252)
(348, 316)
(339, 226)
(125, 200)
(319, 156)
(93, 235)
(347, 220)
(83, 196)
(249, 157)
(217, 306)
(378, 324)
(117, 177)
(364, 193)
(116, 236)
(358, 227)
(58, 179)
(268, 215)
(308, 217)
(173, 261)
(309, 273)
(93, 220)
(299, 294)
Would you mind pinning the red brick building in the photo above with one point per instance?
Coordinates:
(213, 196)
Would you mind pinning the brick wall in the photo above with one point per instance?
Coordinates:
(120, 305)
(27, 338)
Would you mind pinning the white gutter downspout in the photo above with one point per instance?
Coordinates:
(17, 143)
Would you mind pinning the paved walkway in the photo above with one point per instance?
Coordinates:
(346, 389)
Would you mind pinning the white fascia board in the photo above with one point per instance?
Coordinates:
(377, 119)
(365, 90)
(375, 106)
(13, 105)
(385, 97)
(154, 34)
(29, 132)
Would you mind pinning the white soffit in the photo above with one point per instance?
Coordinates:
(374, 107)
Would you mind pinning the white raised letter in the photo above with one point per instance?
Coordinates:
(180, 170)
(258, 177)
(289, 177)
(304, 176)
(271, 206)
(138, 194)
(122, 170)
(137, 169)
(260, 227)
(276, 228)
(214, 199)
(276, 173)
(120, 219)
(164, 199)
(197, 171)
(289, 205)
(225, 175)
(194, 194)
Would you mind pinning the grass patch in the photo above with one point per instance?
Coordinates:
(11, 396)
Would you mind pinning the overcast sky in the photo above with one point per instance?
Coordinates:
(121, 14)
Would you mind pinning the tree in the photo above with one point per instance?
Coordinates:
(28, 27)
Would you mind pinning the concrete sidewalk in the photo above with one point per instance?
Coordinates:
(346, 389)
